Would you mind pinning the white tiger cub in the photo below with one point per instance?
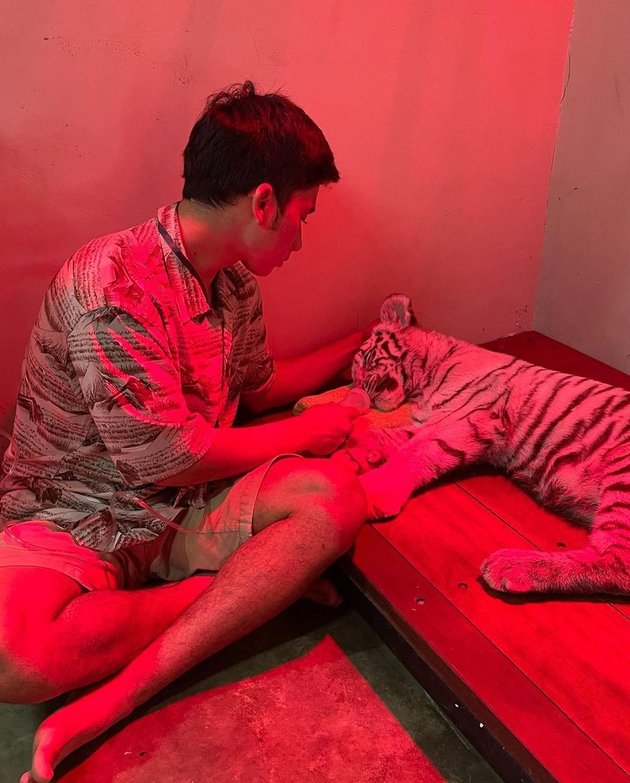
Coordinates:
(564, 438)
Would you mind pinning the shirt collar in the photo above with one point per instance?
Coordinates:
(189, 292)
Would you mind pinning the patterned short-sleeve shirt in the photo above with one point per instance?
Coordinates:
(129, 369)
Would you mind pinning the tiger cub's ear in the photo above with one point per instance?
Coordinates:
(396, 312)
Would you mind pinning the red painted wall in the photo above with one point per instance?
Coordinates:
(442, 115)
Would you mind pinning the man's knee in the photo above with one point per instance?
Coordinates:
(23, 676)
(21, 684)
(318, 488)
(30, 599)
(336, 487)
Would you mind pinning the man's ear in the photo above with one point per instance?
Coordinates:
(265, 206)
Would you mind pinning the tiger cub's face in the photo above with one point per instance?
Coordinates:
(376, 368)
(378, 365)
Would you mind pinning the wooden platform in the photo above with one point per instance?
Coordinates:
(540, 686)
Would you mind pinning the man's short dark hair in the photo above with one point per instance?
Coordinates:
(243, 139)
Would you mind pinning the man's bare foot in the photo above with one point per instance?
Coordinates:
(68, 729)
(324, 592)
(92, 713)
(88, 714)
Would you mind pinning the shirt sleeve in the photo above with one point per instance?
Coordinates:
(133, 392)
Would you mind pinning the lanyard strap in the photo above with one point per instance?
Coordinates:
(178, 253)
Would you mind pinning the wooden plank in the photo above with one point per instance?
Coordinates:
(543, 529)
(546, 743)
(539, 349)
(577, 653)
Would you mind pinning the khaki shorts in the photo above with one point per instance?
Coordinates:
(224, 524)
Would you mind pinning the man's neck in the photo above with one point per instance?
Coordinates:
(210, 237)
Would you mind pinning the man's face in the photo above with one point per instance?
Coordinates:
(285, 237)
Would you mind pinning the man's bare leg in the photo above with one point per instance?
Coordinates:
(52, 621)
(308, 514)
(49, 621)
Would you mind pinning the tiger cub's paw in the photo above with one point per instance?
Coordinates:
(521, 571)
(386, 493)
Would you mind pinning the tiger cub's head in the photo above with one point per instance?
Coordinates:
(379, 366)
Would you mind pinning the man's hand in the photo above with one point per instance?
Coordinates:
(327, 427)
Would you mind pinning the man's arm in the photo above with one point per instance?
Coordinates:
(305, 374)
(318, 431)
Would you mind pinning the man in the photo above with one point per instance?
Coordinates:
(123, 458)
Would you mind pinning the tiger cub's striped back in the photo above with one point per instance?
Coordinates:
(564, 438)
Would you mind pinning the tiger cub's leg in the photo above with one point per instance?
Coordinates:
(601, 567)
(368, 447)
(438, 447)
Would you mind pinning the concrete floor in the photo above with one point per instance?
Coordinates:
(290, 636)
